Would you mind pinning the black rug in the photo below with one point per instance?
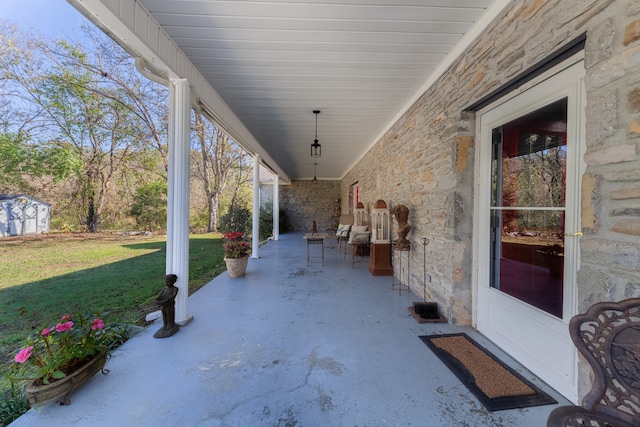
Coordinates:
(496, 385)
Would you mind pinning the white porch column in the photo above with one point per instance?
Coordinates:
(178, 193)
(276, 206)
(256, 208)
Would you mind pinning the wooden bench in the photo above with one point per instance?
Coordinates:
(608, 336)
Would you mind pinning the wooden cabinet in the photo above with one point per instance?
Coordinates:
(380, 263)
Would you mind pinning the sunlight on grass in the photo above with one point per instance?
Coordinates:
(51, 257)
(44, 277)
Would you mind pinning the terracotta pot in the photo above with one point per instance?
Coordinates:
(40, 395)
(236, 267)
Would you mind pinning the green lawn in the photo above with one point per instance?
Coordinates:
(45, 277)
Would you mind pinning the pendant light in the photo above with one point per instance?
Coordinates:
(316, 148)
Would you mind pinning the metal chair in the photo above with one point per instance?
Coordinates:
(343, 237)
(608, 336)
(359, 241)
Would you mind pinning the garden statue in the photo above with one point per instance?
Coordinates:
(401, 213)
(167, 303)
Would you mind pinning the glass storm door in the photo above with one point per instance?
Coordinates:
(528, 225)
(528, 169)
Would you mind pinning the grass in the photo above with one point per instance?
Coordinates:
(45, 277)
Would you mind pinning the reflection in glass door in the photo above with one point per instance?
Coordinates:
(529, 157)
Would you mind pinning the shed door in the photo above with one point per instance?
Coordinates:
(30, 219)
(5, 216)
(528, 224)
(15, 220)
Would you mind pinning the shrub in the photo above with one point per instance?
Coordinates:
(237, 218)
(266, 221)
(150, 206)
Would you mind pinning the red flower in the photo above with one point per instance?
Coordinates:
(23, 354)
(61, 327)
(97, 324)
(234, 246)
(233, 235)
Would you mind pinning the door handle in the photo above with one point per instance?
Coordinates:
(579, 233)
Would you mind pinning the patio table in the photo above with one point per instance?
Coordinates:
(315, 239)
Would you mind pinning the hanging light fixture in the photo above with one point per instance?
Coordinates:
(316, 148)
(315, 179)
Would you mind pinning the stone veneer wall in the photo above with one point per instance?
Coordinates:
(306, 201)
(425, 161)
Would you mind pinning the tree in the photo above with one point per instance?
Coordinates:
(148, 101)
(150, 206)
(94, 101)
(218, 162)
(25, 168)
(237, 218)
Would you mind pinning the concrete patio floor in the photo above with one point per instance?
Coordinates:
(288, 345)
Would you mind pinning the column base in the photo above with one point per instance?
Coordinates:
(185, 322)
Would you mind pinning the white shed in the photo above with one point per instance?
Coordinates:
(21, 214)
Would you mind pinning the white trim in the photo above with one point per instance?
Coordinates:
(567, 83)
(276, 207)
(255, 222)
(177, 257)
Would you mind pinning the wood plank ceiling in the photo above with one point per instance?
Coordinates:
(360, 62)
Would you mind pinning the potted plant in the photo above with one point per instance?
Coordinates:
(236, 253)
(60, 358)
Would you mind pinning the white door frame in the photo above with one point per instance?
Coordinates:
(564, 80)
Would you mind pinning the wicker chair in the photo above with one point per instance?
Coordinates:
(608, 336)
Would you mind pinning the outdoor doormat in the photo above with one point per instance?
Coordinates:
(426, 312)
(496, 385)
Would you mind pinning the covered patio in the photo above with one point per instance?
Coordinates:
(414, 102)
(288, 344)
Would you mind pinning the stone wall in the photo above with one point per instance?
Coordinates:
(610, 248)
(426, 160)
(306, 201)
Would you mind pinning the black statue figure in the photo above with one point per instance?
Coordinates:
(167, 303)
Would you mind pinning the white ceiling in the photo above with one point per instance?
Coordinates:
(360, 62)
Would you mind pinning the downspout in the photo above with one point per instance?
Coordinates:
(141, 66)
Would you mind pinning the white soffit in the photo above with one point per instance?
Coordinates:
(361, 62)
